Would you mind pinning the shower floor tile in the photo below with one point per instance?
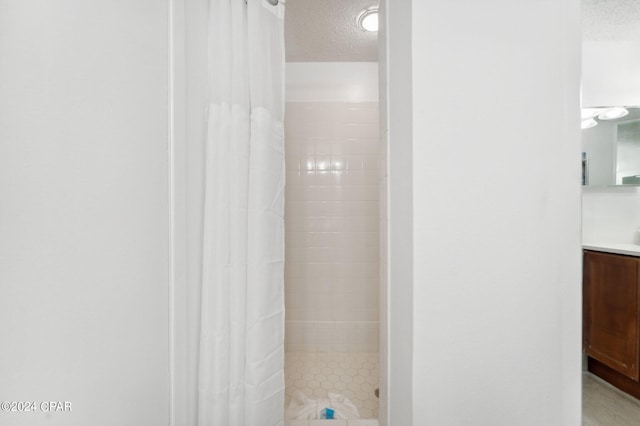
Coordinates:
(354, 375)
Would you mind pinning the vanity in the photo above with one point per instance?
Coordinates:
(611, 193)
(611, 313)
(611, 271)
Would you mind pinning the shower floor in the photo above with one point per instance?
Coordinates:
(354, 375)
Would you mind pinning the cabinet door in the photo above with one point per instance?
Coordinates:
(610, 303)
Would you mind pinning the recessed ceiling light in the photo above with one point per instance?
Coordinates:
(368, 20)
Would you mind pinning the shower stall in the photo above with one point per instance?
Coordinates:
(332, 243)
(103, 153)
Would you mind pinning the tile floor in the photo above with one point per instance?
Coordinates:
(354, 375)
(316, 372)
(358, 422)
(604, 405)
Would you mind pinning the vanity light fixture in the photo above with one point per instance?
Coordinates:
(588, 123)
(589, 115)
(368, 20)
(613, 113)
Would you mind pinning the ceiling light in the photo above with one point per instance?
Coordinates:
(588, 123)
(613, 113)
(368, 20)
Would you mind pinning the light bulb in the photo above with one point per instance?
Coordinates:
(588, 123)
(613, 113)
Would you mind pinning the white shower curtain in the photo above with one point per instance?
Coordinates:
(241, 368)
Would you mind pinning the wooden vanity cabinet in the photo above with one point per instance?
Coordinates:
(611, 318)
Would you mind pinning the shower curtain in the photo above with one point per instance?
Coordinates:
(241, 367)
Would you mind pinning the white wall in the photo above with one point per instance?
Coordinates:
(610, 72)
(191, 171)
(332, 211)
(84, 211)
(610, 214)
(331, 82)
(496, 212)
(331, 221)
(396, 290)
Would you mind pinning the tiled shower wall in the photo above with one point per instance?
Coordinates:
(332, 220)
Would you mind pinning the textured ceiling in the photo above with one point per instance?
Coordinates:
(608, 20)
(326, 31)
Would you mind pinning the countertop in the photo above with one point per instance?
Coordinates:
(618, 248)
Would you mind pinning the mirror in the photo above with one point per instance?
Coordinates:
(611, 77)
(611, 146)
